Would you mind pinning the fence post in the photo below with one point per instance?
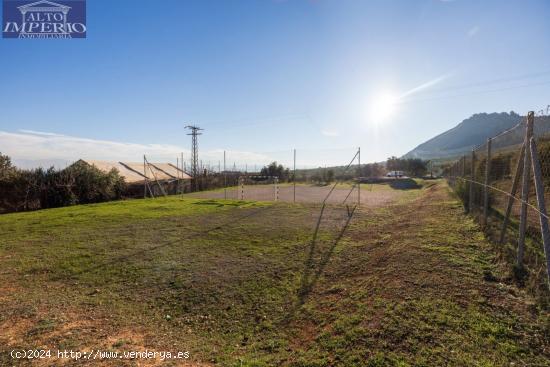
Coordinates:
(359, 181)
(294, 176)
(463, 167)
(241, 179)
(472, 179)
(145, 179)
(513, 190)
(182, 175)
(539, 187)
(224, 178)
(486, 187)
(525, 189)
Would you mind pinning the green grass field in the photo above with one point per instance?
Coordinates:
(411, 283)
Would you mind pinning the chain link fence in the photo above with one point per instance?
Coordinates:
(504, 184)
(287, 176)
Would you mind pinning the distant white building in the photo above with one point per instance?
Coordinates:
(395, 174)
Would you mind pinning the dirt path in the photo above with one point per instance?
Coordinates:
(380, 196)
(417, 284)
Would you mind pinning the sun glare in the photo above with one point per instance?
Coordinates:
(382, 107)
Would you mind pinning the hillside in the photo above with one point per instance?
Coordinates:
(472, 132)
(236, 283)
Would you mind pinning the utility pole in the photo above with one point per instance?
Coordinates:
(195, 131)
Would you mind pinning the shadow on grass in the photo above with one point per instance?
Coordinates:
(311, 272)
(217, 203)
(191, 235)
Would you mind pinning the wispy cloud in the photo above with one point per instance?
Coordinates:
(426, 85)
(40, 133)
(40, 149)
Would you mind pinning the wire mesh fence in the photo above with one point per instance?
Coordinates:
(292, 178)
(497, 182)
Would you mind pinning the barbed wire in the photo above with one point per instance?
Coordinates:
(502, 192)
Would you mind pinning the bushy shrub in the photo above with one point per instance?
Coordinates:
(50, 188)
(90, 185)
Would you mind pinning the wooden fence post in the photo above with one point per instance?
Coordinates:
(487, 179)
(513, 190)
(539, 187)
(472, 179)
(525, 189)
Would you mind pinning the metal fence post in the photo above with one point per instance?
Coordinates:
(525, 189)
(513, 190)
(241, 179)
(486, 187)
(359, 181)
(539, 187)
(472, 179)
(224, 178)
(182, 176)
(145, 180)
(294, 176)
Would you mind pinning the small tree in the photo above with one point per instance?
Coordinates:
(371, 170)
(93, 186)
(412, 166)
(275, 170)
(5, 166)
(330, 175)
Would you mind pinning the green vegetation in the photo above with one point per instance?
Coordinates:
(80, 183)
(414, 167)
(276, 170)
(237, 283)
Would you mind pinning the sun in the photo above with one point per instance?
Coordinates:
(382, 107)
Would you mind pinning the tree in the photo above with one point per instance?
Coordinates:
(330, 175)
(50, 188)
(5, 165)
(394, 164)
(371, 170)
(415, 167)
(91, 185)
(275, 170)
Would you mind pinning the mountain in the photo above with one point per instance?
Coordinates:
(474, 131)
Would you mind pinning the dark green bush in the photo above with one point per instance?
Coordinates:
(50, 188)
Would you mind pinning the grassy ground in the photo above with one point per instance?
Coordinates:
(242, 284)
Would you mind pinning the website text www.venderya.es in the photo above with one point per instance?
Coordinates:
(96, 354)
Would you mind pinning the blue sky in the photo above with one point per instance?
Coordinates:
(266, 76)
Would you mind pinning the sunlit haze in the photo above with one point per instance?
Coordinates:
(265, 77)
